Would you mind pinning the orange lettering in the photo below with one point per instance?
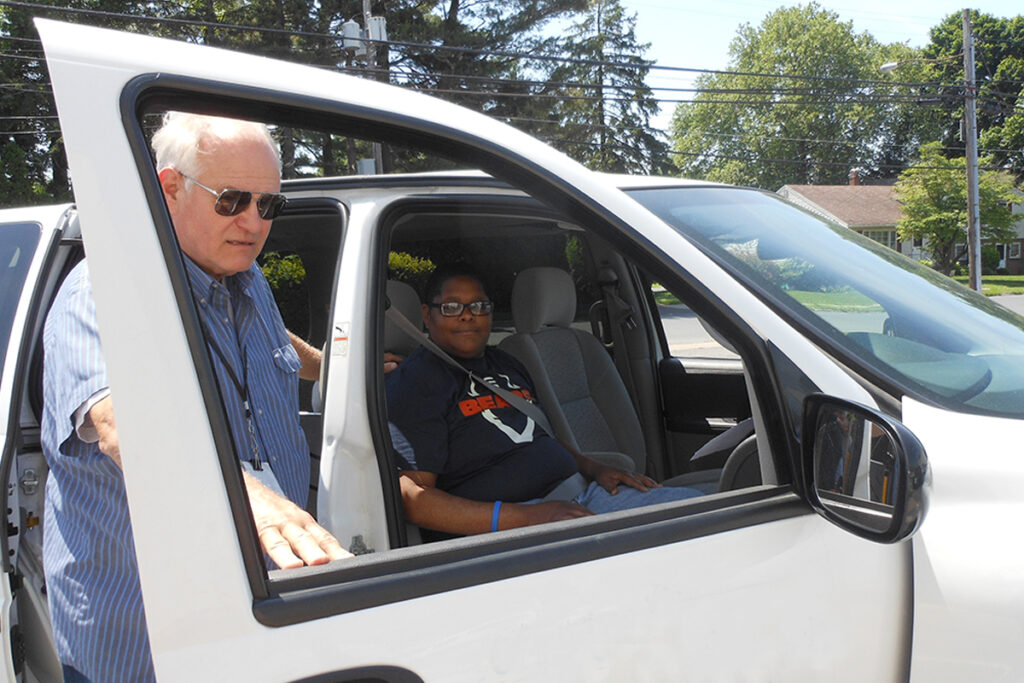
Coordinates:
(470, 407)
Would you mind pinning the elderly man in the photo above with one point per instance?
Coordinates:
(220, 178)
(470, 462)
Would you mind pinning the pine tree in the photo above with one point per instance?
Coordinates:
(607, 107)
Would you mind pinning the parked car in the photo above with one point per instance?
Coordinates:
(829, 364)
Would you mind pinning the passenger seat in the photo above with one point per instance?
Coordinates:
(575, 377)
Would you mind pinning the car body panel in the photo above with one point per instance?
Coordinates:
(967, 618)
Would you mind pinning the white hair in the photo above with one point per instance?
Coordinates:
(184, 140)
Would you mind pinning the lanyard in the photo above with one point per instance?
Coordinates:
(243, 394)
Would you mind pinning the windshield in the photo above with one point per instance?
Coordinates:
(915, 328)
(17, 245)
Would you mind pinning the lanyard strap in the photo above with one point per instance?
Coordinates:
(243, 394)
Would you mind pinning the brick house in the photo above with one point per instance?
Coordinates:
(873, 211)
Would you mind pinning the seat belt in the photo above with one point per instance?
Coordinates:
(528, 409)
(620, 315)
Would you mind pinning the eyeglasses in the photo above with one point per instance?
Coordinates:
(451, 309)
(234, 202)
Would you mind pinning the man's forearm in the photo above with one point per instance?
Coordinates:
(310, 357)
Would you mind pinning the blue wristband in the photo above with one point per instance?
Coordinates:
(494, 515)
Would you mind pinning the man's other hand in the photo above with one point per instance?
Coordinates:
(289, 534)
(391, 361)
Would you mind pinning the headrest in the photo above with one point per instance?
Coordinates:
(405, 300)
(543, 297)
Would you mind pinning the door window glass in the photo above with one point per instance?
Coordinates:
(17, 246)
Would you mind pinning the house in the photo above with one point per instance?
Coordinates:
(873, 211)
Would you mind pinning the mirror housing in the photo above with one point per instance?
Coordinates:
(863, 471)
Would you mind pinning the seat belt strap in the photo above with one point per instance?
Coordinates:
(528, 409)
(620, 318)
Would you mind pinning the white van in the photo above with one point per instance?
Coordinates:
(827, 363)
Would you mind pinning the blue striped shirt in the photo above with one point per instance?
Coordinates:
(92, 576)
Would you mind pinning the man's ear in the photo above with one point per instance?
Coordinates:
(426, 314)
(173, 184)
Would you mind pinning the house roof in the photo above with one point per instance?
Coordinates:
(854, 206)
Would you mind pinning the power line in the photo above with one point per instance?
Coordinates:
(449, 48)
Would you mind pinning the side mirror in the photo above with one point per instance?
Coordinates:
(863, 471)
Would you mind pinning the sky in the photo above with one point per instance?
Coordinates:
(697, 34)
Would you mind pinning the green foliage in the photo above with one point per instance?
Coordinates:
(608, 125)
(408, 268)
(989, 259)
(999, 73)
(287, 278)
(282, 271)
(934, 198)
(770, 131)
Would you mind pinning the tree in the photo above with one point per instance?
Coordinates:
(933, 193)
(999, 74)
(802, 102)
(606, 107)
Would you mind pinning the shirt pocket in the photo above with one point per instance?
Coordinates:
(286, 359)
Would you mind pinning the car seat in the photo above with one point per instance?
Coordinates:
(575, 377)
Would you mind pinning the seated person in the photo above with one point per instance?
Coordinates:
(469, 462)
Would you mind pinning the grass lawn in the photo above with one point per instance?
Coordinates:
(992, 285)
(834, 301)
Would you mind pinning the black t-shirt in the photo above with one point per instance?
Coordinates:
(479, 446)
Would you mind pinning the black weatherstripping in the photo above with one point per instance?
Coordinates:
(365, 674)
(366, 581)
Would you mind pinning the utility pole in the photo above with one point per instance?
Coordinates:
(371, 62)
(971, 144)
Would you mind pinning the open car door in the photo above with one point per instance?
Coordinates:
(748, 584)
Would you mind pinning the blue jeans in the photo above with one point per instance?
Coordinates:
(597, 500)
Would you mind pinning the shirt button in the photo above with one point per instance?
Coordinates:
(226, 320)
(259, 410)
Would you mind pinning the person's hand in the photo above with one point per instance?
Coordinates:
(391, 361)
(609, 479)
(554, 511)
(289, 534)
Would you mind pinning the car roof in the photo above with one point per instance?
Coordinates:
(477, 178)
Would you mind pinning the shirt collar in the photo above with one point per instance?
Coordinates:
(202, 283)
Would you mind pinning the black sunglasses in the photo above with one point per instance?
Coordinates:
(233, 202)
(450, 309)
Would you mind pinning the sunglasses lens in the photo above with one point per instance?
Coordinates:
(270, 205)
(232, 202)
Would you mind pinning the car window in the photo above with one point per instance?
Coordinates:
(17, 245)
(907, 324)
(686, 334)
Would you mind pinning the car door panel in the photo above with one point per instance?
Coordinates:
(792, 598)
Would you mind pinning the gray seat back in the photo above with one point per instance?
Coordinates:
(575, 378)
(405, 299)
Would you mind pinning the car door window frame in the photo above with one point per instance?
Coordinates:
(293, 596)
